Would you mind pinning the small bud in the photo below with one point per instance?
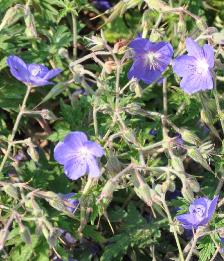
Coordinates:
(48, 115)
(25, 235)
(113, 164)
(108, 190)
(11, 191)
(32, 152)
(189, 137)
(45, 231)
(63, 53)
(135, 87)
(120, 46)
(109, 66)
(177, 164)
(179, 229)
(187, 193)
(128, 135)
(193, 184)
(195, 154)
(30, 24)
(96, 42)
(11, 17)
(201, 24)
(181, 26)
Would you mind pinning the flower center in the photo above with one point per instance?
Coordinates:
(151, 60)
(198, 212)
(83, 152)
(202, 66)
(35, 70)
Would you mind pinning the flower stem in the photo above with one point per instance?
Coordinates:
(174, 229)
(16, 125)
(74, 28)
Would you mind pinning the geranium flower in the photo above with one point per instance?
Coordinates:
(195, 67)
(200, 212)
(70, 202)
(78, 155)
(102, 4)
(150, 59)
(31, 74)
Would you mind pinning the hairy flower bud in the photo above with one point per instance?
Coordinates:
(108, 190)
(195, 154)
(109, 66)
(25, 234)
(193, 184)
(11, 17)
(187, 193)
(30, 24)
(189, 137)
(11, 191)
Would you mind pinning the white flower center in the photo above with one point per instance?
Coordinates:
(202, 66)
(83, 152)
(35, 71)
(151, 60)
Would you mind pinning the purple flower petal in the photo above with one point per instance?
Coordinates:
(209, 55)
(93, 168)
(63, 153)
(37, 70)
(137, 70)
(18, 68)
(150, 75)
(75, 168)
(194, 83)
(75, 139)
(194, 49)
(52, 73)
(184, 65)
(95, 149)
(212, 206)
(186, 220)
(37, 82)
(138, 44)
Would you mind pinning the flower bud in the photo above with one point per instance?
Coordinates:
(201, 24)
(48, 115)
(32, 152)
(120, 46)
(25, 235)
(113, 164)
(189, 137)
(108, 190)
(11, 191)
(193, 184)
(177, 164)
(109, 66)
(181, 26)
(63, 53)
(30, 24)
(11, 17)
(195, 154)
(187, 193)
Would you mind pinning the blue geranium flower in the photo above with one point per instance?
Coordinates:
(70, 202)
(78, 155)
(195, 67)
(32, 74)
(200, 212)
(150, 59)
(102, 4)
